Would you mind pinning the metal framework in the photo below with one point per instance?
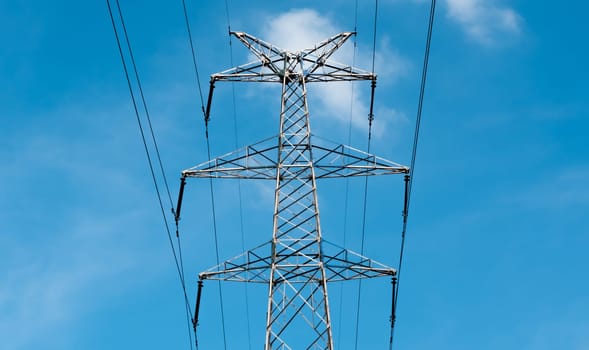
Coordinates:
(297, 263)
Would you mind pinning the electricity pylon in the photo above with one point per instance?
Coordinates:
(297, 263)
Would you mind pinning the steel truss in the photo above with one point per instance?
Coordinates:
(297, 263)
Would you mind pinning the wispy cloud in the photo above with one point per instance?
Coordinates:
(484, 21)
(298, 29)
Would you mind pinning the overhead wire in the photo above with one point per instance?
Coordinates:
(364, 206)
(177, 258)
(211, 187)
(347, 180)
(240, 195)
(216, 239)
(193, 52)
(411, 177)
(199, 87)
(147, 115)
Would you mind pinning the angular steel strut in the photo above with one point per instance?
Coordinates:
(297, 263)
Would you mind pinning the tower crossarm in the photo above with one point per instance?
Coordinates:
(258, 161)
(346, 161)
(340, 265)
(251, 266)
(256, 71)
(335, 71)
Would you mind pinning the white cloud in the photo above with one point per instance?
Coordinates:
(483, 21)
(337, 100)
(309, 26)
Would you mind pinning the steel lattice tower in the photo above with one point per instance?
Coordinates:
(297, 263)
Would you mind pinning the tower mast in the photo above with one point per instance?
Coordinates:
(297, 263)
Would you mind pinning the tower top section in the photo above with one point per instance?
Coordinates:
(273, 64)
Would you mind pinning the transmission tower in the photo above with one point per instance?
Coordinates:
(297, 263)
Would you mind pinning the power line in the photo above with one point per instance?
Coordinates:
(347, 180)
(179, 264)
(147, 115)
(364, 208)
(212, 195)
(240, 195)
(197, 78)
(409, 179)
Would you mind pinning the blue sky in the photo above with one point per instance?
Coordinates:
(496, 252)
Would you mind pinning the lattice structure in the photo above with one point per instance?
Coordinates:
(297, 263)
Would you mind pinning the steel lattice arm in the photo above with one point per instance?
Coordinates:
(257, 161)
(316, 65)
(340, 265)
(260, 48)
(328, 47)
